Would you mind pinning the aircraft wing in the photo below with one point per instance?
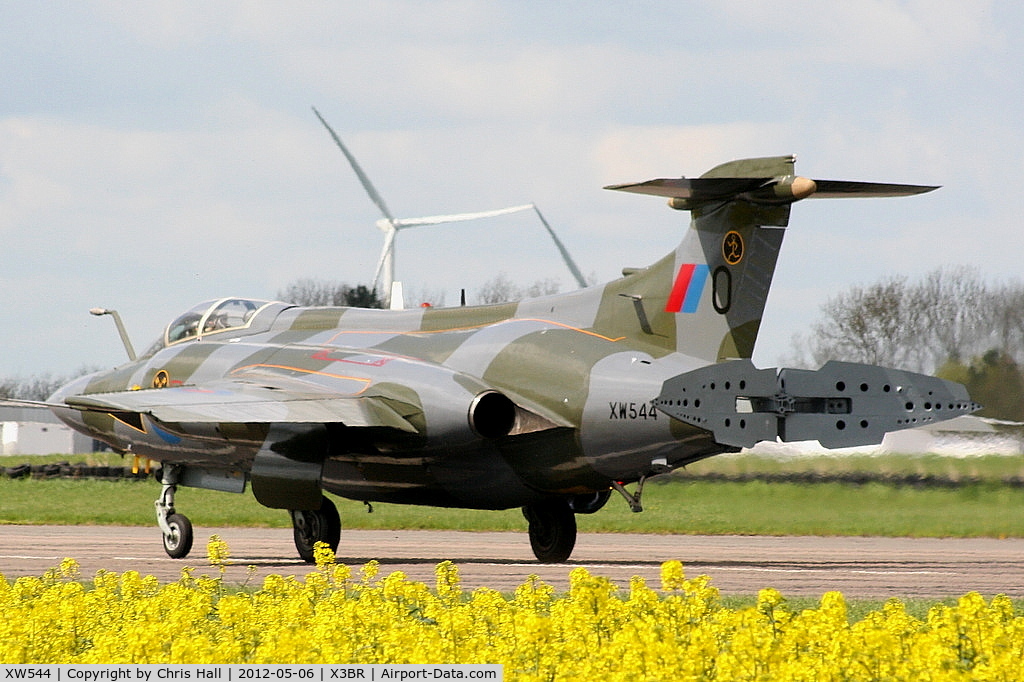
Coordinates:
(239, 402)
(19, 402)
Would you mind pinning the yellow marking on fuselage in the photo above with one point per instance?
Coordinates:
(129, 424)
(472, 327)
(366, 382)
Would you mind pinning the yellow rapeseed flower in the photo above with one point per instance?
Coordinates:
(597, 630)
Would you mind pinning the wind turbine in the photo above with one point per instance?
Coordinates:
(569, 262)
(384, 276)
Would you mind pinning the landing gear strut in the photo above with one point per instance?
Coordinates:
(316, 525)
(552, 530)
(177, 529)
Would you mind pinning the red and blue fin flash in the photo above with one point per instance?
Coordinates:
(687, 289)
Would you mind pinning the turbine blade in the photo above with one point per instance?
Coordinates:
(457, 217)
(367, 185)
(569, 262)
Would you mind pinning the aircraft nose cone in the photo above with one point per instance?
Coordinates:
(73, 387)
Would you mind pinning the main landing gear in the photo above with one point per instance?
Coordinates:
(552, 529)
(553, 524)
(316, 525)
(177, 529)
(310, 526)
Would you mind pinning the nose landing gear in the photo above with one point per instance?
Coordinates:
(177, 529)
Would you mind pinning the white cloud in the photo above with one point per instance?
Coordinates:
(891, 34)
(156, 154)
(644, 152)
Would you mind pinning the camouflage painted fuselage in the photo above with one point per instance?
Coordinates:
(581, 412)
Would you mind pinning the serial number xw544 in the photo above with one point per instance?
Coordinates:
(632, 410)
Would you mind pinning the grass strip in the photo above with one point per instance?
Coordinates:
(673, 507)
(975, 468)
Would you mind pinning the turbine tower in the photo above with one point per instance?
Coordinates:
(384, 275)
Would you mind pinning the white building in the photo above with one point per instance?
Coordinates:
(35, 438)
(35, 431)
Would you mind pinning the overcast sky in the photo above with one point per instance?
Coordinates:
(158, 154)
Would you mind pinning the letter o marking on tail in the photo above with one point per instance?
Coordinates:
(732, 247)
(721, 290)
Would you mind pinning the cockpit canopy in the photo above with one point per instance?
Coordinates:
(211, 317)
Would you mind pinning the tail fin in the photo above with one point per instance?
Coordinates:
(706, 299)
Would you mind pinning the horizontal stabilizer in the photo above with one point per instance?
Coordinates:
(839, 189)
(842, 404)
(693, 188)
(687, 193)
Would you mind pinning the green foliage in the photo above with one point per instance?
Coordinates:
(994, 380)
(362, 296)
(316, 292)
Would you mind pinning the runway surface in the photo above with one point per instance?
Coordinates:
(738, 565)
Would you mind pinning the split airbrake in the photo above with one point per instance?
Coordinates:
(549, 404)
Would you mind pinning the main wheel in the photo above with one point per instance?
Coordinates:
(312, 526)
(552, 530)
(178, 543)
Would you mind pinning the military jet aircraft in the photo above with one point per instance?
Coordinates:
(549, 404)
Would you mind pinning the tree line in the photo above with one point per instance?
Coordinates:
(37, 387)
(950, 322)
(319, 292)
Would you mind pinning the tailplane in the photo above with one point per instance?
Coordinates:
(707, 298)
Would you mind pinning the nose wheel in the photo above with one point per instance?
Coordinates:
(316, 525)
(552, 530)
(178, 542)
(176, 528)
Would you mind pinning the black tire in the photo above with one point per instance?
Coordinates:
(179, 543)
(552, 530)
(20, 471)
(312, 526)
